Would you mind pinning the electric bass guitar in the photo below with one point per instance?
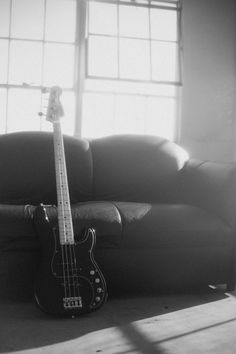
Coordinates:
(69, 282)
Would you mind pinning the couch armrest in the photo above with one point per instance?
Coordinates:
(210, 185)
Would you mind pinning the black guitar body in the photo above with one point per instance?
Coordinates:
(69, 282)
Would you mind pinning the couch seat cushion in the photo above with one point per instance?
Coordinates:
(16, 228)
(104, 217)
(176, 225)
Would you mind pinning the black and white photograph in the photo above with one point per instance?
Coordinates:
(117, 176)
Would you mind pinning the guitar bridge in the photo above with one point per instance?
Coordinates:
(71, 303)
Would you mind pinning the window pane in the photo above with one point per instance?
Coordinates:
(130, 114)
(106, 114)
(23, 108)
(3, 106)
(102, 56)
(27, 19)
(98, 115)
(134, 22)
(25, 62)
(134, 59)
(4, 17)
(68, 121)
(3, 60)
(60, 20)
(164, 24)
(102, 18)
(164, 61)
(59, 65)
(161, 117)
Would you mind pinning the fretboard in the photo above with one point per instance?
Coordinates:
(63, 197)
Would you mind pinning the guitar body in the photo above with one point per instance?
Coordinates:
(69, 282)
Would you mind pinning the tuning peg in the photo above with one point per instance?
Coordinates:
(45, 90)
(40, 114)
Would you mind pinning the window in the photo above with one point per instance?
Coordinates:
(133, 68)
(37, 44)
(117, 61)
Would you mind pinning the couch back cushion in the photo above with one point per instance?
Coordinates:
(27, 173)
(135, 168)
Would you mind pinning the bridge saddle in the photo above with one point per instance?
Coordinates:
(71, 303)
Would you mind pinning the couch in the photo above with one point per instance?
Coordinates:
(162, 219)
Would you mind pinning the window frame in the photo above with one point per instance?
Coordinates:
(81, 56)
(150, 4)
(175, 5)
(31, 86)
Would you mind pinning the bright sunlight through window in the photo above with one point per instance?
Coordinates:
(133, 77)
(37, 43)
(117, 62)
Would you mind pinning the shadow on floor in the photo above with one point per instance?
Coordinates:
(23, 326)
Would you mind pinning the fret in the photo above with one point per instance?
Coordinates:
(63, 198)
(54, 113)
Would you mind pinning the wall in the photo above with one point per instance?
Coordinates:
(208, 123)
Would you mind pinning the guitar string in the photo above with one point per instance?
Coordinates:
(67, 258)
(69, 247)
(60, 215)
(63, 223)
(61, 230)
(68, 228)
(74, 272)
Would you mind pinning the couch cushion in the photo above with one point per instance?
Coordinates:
(104, 217)
(160, 225)
(135, 168)
(19, 254)
(28, 173)
(16, 228)
(17, 231)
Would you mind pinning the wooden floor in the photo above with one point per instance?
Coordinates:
(185, 323)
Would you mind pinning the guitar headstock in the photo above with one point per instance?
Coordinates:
(54, 110)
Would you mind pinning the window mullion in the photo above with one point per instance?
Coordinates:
(80, 62)
(150, 42)
(42, 62)
(118, 40)
(8, 68)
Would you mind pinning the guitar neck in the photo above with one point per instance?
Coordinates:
(63, 197)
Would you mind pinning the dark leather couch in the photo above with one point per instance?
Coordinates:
(162, 220)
